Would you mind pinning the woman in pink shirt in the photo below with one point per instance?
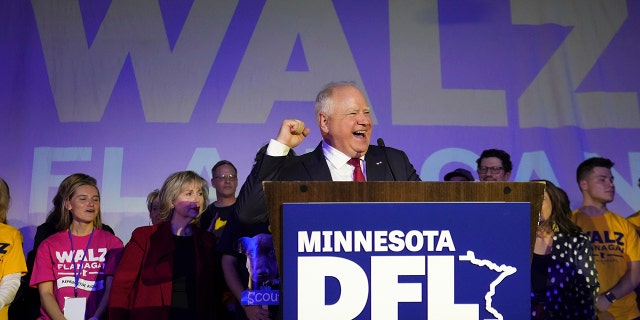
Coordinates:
(74, 267)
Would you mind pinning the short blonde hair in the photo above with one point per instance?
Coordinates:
(171, 189)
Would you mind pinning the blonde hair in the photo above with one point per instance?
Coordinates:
(66, 190)
(5, 198)
(171, 189)
(150, 197)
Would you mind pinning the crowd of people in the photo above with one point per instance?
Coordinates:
(194, 260)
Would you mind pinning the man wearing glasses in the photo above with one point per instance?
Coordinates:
(494, 165)
(225, 181)
(214, 219)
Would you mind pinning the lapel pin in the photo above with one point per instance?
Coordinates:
(379, 163)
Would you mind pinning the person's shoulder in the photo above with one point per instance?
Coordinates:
(144, 230)
(634, 216)
(580, 237)
(227, 211)
(576, 215)
(56, 238)
(614, 216)
(210, 207)
(144, 233)
(587, 213)
(46, 228)
(315, 153)
(10, 233)
(572, 240)
(391, 152)
(107, 228)
(634, 219)
(108, 235)
(293, 163)
(6, 229)
(620, 220)
(381, 148)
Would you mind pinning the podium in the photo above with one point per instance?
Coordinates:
(490, 196)
(277, 193)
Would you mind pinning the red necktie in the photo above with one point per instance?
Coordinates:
(357, 172)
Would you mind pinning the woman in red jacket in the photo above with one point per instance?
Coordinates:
(167, 270)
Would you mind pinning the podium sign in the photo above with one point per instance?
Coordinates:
(413, 260)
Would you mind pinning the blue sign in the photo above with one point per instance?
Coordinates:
(406, 261)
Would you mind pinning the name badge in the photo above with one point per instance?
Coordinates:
(74, 308)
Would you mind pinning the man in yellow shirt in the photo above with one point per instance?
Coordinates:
(615, 242)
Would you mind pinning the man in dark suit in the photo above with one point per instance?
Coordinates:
(344, 120)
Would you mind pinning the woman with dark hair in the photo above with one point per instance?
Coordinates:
(167, 269)
(74, 267)
(564, 280)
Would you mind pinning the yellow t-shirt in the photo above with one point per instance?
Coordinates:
(11, 256)
(635, 220)
(615, 242)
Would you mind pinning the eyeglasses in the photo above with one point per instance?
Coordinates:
(227, 177)
(492, 169)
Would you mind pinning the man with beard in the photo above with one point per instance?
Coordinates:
(494, 165)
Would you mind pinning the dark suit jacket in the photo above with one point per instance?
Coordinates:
(142, 285)
(312, 166)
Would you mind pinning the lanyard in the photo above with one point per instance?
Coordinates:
(76, 273)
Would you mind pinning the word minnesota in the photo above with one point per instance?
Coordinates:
(375, 241)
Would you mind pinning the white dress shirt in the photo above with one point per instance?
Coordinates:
(336, 160)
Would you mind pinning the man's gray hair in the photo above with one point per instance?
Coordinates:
(324, 103)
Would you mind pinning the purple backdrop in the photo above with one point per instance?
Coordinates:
(131, 91)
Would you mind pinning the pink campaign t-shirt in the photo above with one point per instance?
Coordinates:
(55, 262)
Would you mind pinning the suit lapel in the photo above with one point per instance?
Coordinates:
(317, 166)
(376, 165)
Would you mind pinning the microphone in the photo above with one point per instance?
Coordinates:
(386, 156)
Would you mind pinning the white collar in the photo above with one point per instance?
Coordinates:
(335, 156)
